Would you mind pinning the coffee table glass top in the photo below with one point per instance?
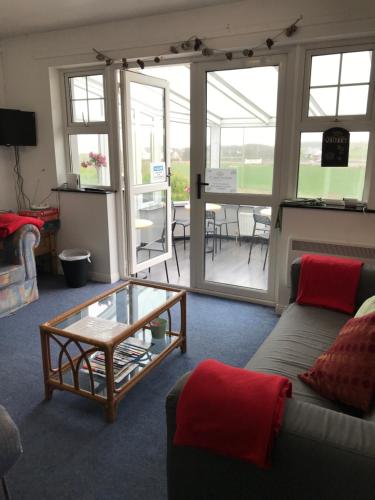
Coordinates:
(115, 312)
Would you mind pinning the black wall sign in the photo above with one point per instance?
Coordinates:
(335, 147)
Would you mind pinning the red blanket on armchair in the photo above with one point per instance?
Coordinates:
(231, 411)
(9, 223)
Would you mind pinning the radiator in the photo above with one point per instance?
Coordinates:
(297, 248)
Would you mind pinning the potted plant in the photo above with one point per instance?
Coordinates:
(98, 161)
(158, 328)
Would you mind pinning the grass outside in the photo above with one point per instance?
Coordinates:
(314, 181)
(89, 176)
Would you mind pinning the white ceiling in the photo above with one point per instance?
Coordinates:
(28, 16)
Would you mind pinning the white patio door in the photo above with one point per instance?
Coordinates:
(235, 175)
(146, 170)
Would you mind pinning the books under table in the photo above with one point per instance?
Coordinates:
(131, 354)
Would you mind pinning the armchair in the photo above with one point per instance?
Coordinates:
(10, 447)
(18, 284)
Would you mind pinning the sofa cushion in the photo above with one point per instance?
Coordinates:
(346, 372)
(365, 288)
(11, 274)
(330, 282)
(300, 336)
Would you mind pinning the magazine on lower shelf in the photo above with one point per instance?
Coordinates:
(132, 353)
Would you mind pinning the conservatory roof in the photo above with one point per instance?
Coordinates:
(246, 99)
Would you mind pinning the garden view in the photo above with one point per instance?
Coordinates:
(314, 181)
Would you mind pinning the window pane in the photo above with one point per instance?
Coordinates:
(353, 100)
(80, 113)
(96, 110)
(148, 131)
(356, 67)
(331, 182)
(180, 161)
(325, 70)
(236, 244)
(323, 102)
(95, 87)
(87, 98)
(151, 225)
(78, 87)
(242, 142)
(251, 152)
(89, 158)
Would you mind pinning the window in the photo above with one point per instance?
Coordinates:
(339, 84)
(251, 151)
(241, 117)
(332, 182)
(338, 93)
(87, 128)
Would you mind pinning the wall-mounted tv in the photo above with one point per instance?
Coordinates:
(17, 128)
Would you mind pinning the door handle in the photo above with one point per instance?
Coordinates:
(199, 186)
(168, 176)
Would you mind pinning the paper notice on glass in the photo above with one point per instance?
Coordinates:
(157, 172)
(221, 180)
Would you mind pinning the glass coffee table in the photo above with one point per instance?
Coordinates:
(103, 347)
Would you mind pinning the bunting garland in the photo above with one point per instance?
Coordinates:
(196, 44)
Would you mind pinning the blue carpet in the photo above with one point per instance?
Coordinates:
(70, 452)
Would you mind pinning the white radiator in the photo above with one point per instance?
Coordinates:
(297, 248)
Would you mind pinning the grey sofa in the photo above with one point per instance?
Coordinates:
(18, 282)
(324, 450)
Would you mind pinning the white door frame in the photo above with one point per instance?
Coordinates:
(197, 166)
(131, 189)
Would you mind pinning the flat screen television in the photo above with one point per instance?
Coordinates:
(17, 128)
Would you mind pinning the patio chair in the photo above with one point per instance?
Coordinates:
(159, 247)
(231, 219)
(210, 232)
(261, 232)
(180, 222)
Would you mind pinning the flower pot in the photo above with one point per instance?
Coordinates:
(158, 328)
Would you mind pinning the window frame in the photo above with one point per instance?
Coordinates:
(353, 123)
(72, 128)
(306, 85)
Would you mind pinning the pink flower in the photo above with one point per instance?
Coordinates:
(187, 189)
(95, 160)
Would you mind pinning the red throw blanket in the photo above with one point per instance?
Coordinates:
(9, 223)
(231, 411)
(329, 282)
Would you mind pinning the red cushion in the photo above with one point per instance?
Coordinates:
(9, 223)
(231, 411)
(329, 282)
(346, 372)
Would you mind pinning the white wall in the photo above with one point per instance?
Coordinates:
(27, 63)
(85, 219)
(7, 197)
